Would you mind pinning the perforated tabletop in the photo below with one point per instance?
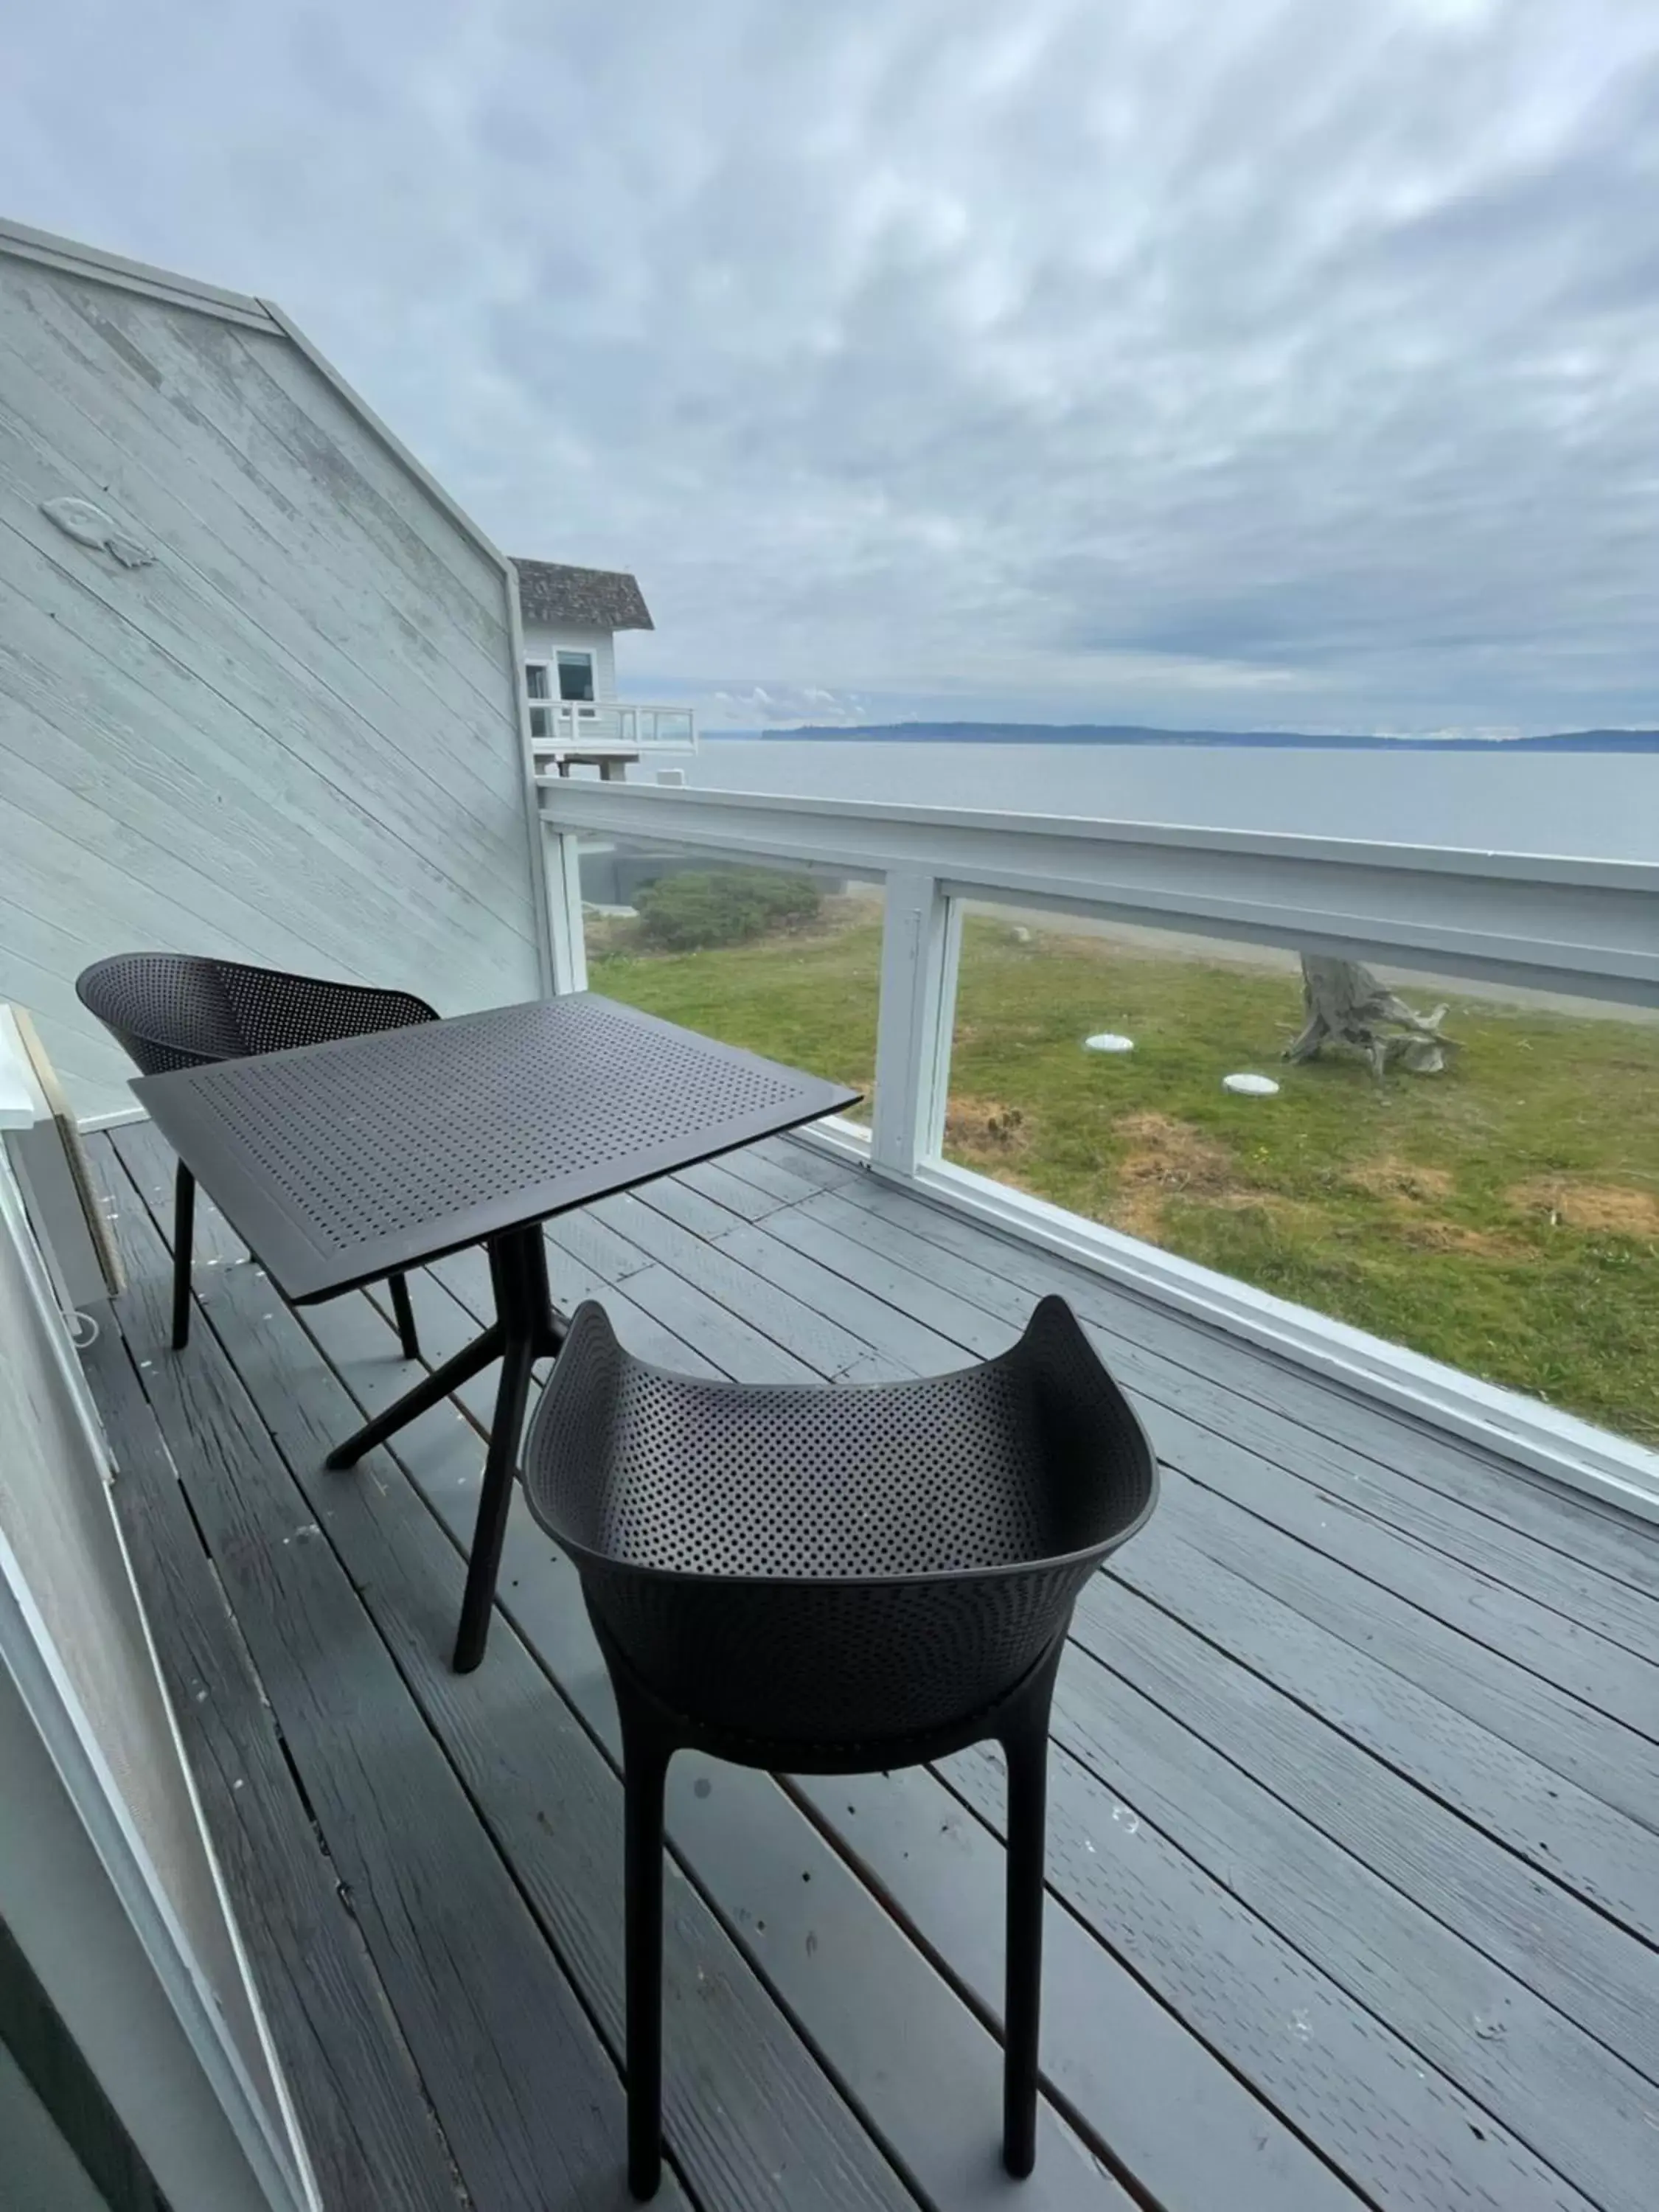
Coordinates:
(339, 1162)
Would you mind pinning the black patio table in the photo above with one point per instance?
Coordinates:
(338, 1164)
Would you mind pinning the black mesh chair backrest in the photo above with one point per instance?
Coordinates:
(172, 1010)
(846, 1565)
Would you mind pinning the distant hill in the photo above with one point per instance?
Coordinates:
(1095, 733)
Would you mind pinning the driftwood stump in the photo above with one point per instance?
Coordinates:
(1346, 1005)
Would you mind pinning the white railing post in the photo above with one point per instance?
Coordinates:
(913, 1028)
(564, 902)
(936, 1092)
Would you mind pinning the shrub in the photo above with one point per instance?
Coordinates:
(723, 906)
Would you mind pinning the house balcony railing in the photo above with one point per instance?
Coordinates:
(1555, 937)
(603, 729)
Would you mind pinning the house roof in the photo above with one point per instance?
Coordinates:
(598, 598)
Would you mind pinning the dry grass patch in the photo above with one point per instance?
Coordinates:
(986, 1128)
(1456, 1236)
(1606, 1209)
(1166, 1159)
(1392, 1178)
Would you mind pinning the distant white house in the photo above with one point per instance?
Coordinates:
(571, 618)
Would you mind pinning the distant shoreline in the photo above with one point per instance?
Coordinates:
(1089, 733)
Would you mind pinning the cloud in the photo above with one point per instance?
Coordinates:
(756, 706)
(1130, 362)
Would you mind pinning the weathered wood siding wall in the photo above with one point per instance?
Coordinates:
(292, 736)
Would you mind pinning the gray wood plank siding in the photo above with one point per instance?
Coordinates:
(291, 737)
(1350, 1858)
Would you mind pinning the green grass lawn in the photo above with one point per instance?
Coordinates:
(1503, 1217)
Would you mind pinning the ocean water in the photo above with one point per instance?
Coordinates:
(1599, 806)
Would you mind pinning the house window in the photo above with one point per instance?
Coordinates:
(539, 722)
(535, 678)
(575, 676)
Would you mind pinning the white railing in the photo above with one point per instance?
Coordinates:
(602, 727)
(1585, 927)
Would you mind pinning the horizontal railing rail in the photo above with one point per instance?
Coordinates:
(1546, 922)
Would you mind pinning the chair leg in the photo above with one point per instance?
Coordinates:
(645, 1767)
(184, 1236)
(404, 1315)
(1026, 1750)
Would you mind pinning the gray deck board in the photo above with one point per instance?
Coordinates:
(1591, 1970)
(539, 1597)
(716, 1181)
(521, 2086)
(1487, 2033)
(1354, 1854)
(361, 2105)
(747, 2109)
(1320, 1435)
(1409, 2138)
(1600, 1737)
(1597, 1671)
(1561, 1828)
(827, 1348)
(824, 1170)
(783, 1183)
(1188, 2131)
(916, 1283)
(1507, 1498)
(923, 1349)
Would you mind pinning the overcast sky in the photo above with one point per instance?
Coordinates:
(1210, 363)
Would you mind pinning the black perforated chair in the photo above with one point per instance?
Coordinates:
(836, 1581)
(170, 1010)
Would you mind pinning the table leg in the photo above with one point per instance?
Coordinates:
(437, 1387)
(530, 1331)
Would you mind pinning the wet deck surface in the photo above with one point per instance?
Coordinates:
(1354, 1831)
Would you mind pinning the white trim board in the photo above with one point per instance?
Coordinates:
(116, 1118)
(28, 244)
(874, 816)
(1580, 926)
(394, 445)
(547, 924)
(22, 1104)
(88, 1952)
(1559, 1445)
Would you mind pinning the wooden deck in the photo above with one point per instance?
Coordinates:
(1354, 1843)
